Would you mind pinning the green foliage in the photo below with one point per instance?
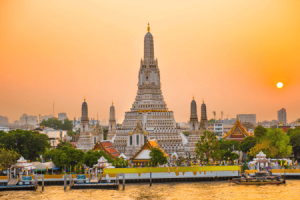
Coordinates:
(274, 144)
(260, 132)
(211, 121)
(66, 156)
(105, 132)
(120, 163)
(27, 143)
(207, 147)
(186, 133)
(63, 144)
(157, 157)
(8, 158)
(58, 124)
(228, 145)
(90, 158)
(295, 140)
(247, 144)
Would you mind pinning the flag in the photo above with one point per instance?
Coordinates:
(295, 162)
(276, 163)
(80, 168)
(36, 169)
(47, 168)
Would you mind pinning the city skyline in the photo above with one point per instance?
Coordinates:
(233, 63)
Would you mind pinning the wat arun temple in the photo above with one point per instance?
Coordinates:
(148, 118)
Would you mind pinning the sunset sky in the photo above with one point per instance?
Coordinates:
(232, 53)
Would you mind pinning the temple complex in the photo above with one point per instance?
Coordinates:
(238, 132)
(85, 140)
(149, 117)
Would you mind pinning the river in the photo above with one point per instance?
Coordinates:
(176, 190)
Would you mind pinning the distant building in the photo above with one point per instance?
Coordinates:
(216, 128)
(30, 120)
(281, 116)
(103, 123)
(4, 121)
(45, 117)
(16, 123)
(55, 136)
(230, 121)
(247, 118)
(62, 116)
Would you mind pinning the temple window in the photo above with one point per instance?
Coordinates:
(130, 140)
(137, 140)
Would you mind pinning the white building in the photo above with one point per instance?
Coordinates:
(54, 136)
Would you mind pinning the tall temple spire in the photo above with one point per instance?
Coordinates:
(148, 46)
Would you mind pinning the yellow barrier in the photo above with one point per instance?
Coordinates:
(112, 172)
(3, 177)
(250, 171)
(281, 171)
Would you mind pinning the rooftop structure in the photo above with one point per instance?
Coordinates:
(238, 132)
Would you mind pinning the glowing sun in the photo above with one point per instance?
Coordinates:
(279, 85)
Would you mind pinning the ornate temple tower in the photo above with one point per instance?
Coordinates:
(97, 134)
(203, 121)
(112, 126)
(85, 140)
(149, 110)
(194, 116)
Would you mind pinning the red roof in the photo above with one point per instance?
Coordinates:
(108, 148)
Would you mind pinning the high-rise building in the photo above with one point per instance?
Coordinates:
(85, 139)
(281, 116)
(62, 116)
(194, 116)
(3, 121)
(29, 120)
(247, 118)
(149, 116)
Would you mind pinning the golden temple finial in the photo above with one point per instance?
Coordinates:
(148, 28)
(193, 97)
(202, 100)
(84, 99)
(112, 103)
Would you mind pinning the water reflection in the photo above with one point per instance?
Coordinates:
(193, 190)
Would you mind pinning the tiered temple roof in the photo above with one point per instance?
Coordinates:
(144, 154)
(107, 147)
(238, 132)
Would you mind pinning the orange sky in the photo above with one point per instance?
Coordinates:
(231, 53)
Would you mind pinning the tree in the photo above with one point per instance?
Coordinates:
(63, 144)
(105, 131)
(207, 147)
(294, 140)
(157, 157)
(66, 156)
(27, 143)
(274, 144)
(295, 143)
(260, 132)
(120, 163)
(58, 124)
(229, 145)
(91, 157)
(7, 158)
(247, 144)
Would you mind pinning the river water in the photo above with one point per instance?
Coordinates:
(176, 190)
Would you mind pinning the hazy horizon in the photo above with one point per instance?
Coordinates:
(231, 53)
